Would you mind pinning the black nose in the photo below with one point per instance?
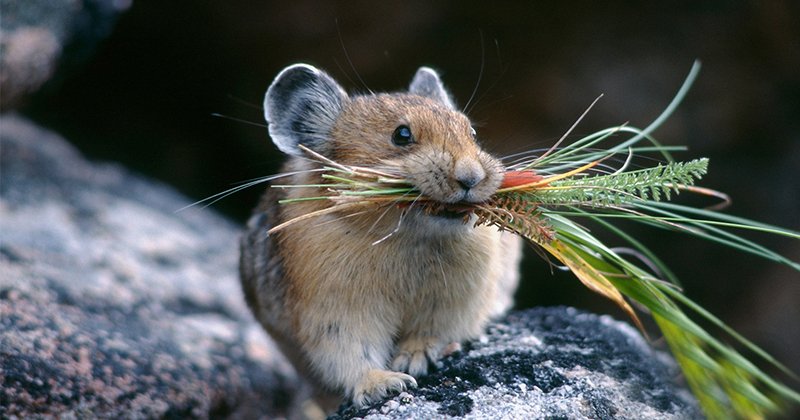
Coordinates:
(468, 182)
(468, 173)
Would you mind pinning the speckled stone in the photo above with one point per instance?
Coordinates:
(547, 363)
(114, 305)
(37, 37)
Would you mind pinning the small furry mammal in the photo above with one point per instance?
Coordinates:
(362, 304)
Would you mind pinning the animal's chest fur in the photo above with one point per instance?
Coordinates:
(416, 273)
(409, 266)
(435, 265)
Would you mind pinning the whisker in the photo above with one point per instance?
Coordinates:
(343, 217)
(466, 108)
(247, 184)
(349, 60)
(524, 154)
(375, 224)
(243, 121)
(396, 229)
(246, 103)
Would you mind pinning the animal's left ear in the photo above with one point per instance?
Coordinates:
(428, 84)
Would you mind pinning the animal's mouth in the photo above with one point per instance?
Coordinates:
(451, 211)
(451, 214)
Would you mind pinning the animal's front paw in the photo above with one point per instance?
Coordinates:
(415, 354)
(377, 384)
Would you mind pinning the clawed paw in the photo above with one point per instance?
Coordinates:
(414, 355)
(377, 384)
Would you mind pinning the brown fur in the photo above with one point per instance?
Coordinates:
(357, 316)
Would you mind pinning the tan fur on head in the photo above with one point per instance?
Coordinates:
(442, 161)
(351, 310)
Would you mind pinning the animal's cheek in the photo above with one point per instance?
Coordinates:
(494, 170)
(430, 172)
(490, 163)
(433, 183)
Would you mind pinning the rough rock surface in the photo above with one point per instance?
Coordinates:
(37, 36)
(111, 304)
(554, 363)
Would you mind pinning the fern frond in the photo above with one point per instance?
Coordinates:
(622, 188)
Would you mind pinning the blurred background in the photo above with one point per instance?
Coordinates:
(145, 99)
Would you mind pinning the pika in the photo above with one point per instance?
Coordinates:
(358, 316)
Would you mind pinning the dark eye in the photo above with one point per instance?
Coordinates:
(402, 136)
(473, 133)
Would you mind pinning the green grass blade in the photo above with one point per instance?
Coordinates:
(725, 383)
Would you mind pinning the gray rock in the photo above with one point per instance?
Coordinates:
(38, 36)
(547, 363)
(113, 305)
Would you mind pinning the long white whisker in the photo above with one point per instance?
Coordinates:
(220, 195)
(239, 120)
(346, 216)
(349, 61)
(387, 211)
(396, 229)
(480, 77)
(524, 153)
(388, 208)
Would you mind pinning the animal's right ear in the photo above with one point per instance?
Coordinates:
(301, 106)
(428, 84)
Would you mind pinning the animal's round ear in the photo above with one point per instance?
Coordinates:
(301, 106)
(427, 83)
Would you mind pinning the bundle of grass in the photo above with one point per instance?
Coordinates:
(543, 196)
